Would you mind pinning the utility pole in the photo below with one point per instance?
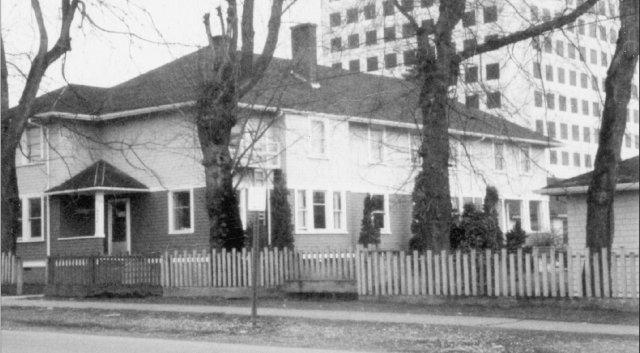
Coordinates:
(254, 273)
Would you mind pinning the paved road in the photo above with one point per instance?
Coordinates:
(55, 342)
(342, 315)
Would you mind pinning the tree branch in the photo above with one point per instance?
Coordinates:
(527, 33)
(263, 61)
(63, 44)
(407, 15)
(207, 29)
(4, 87)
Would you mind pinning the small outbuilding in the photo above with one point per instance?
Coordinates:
(627, 232)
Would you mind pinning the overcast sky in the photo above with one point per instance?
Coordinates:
(102, 59)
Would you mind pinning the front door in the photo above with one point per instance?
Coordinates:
(119, 227)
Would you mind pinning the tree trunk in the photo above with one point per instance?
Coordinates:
(600, 196)
(10, 200)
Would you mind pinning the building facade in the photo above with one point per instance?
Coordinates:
(118, 170)
(553, 84)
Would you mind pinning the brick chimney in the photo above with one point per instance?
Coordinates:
(303, 51)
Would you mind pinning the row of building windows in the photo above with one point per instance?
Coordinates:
(576, 160)
(548, 100)
(390, 61)
(587, 136)
(594, 30)
(370, 12)
(493, 100)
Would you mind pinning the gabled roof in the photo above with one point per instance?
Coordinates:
(100, 176)
(628, 175)
(340, 92)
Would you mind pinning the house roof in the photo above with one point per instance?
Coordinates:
(340, 92)
(627, 178)
(99, 176)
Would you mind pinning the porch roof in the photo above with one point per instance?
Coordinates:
(100, 176)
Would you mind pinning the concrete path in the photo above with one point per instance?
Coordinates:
(341, 315)
(19, 341)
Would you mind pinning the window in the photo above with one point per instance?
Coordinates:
(574, 105)
(388, 8)
(469, 19)
(389, 34)
(562, 103)
(371, 37)
(535, 16)
(370, 11)
(580, 27)
(534, 215)
(472, 101)
(181, 211)
(587, 161)
(571, 50)
(494, 100)
(583, 53)
(79, 215)
(376, 145)
(416, 142)
(585, 107)
(548, 46)
(35, 218)
(378, 212)
(596, 109)
(553, 157)
(584, 80)
(372, 63)
(352, 15)
(408, 30)
(593, 55)
(471, 74)
(575, 132)
(546, 14)
(490, 38)
(409, 57)
(334, 19)
(453, 154)
(551, 101)
(336, 44)
(564, 131)
(317, 138)
(537, 98)
(319, 210)
(537, 71)
(338, 221)
(353, 41)
(565, 158)
(604, 59)
(576, 159)
(498, 151)
(548, 70)
(573, 78)
(559, 48)
(407, 5)
(490, 14)
(354, 65)
(603, 33)
(596, 134)
(540, 127)
(390, 61)
(551, 129)
(336, 66)
(586, 134)
(33, 144)
(613, 36)
(636, 116)
(493, 71)
(561, 75)
(636, 141)
(627, 140)
(302, 210)
(593, 30)
(469, 44)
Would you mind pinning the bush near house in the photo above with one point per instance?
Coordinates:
(516, 237)
(281, 227)
(478, 229)
(369, 233)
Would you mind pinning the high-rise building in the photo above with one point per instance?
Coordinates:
(553, 83)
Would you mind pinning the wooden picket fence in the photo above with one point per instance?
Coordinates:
(104, 270)
(11, 270)
(228, 269)
(499, 273)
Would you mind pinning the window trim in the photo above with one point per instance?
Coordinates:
(24, 159)
(329, 209)
(170, 214)
(25, 209)
(311, 152)
(386, 230)
(383, 156)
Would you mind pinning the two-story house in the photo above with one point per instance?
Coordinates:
(118, 170)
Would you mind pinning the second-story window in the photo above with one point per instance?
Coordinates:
(494, 100)
(317, 140)
(334, 19)
(389, 34)
(370, 11)
(471, 74)
(493, 71)
(388, 8)
(336, 44)
(498, 150)
(372, 63)
(490, 14)
(469, 19)
(371, 37)
(352, 15)
(353, 41)
(33, 144)
(525, 157)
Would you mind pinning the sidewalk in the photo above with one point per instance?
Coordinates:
(342, 315)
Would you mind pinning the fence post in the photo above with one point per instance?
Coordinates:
(19, 279)
(254, 276)
(51, 262)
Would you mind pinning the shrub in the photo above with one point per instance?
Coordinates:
(478, 229)
(281, 227)
(369, 233)
(516, 237)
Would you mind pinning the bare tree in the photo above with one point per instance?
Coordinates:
(601, 191)
(232, 75)
(15, 121)
(437, 69)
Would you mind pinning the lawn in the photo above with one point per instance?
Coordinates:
(554, 311)
(310, 333)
